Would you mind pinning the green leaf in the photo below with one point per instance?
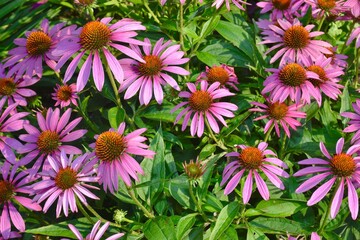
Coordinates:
(159, 228)
(328, 116)
(345, 101)
(212, 203)
(279, 226)
(185, 223)
(179, 190)
(195, 233)
(226, 216)
(209, 26)
(61, 229)
(229, 234)
(9, 7)
(159, 113)
(207, 151)
(217, 52)
(116, 116)
(255, 234)
(277, 208)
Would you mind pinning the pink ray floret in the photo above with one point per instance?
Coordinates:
(54, 135)
(252, 161)
(13, 185)
(354, 122)
(223, 74)
(96, 233)
(341, 169)
(66, 180)
(204, 105)
(149, 71)
(27, 59)
(93, 42)
(114, 149)
(279, 114)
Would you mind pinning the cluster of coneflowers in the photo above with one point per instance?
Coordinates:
(47, 167)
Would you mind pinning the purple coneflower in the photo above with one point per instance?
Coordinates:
(223, 74)
(96, 233)
(148, 71)
(14, 89)
(354, 122)
(279, 8)
(328, 76)
(279, 114)
(291, 80)
(64, 95)
(295, 41)
(337, 60)
(340, 169)
(10, 123)
(354, 6)
(253, 160)
(237, 3)
(202, 105)
(113, 149)
(12, 186)
(54, 132)
(331, 7)
(37, 47)
(94, 38)
(355, 34)
(66, 180)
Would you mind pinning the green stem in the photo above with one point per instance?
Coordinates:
(151, 12)
(181, 23)
(347, 36)
(113, 84)
(357, 65)
(324, 222)
(83, 211)
(97, 215)
(93, 127)
(268, 133)
(193, 51)
(196, 202)
(219, 144)
(321, 22)
(282, 146)
(133, 197)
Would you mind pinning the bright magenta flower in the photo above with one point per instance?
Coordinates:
(253, 160)
(33, 50)
(96, 233)
(320, 7)
(295, 42)
(113, 149)
(55, 132)
(278, 8)
(10, 123)
(354, 122)
(66, 180)
(64, 95)
(150, 69)
(354, 35)
(354, 6)
(14, 89)
(342, 168)
(291, 80)
(329, 76)
(279, 114)
(202, 105)
(237, 3)
(94, 38)
(223, 74)
(12, 185)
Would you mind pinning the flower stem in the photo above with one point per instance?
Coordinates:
(113, 84)
(83, 211)
(321, 22)
(196, 202)
(93, 127)
(324, 222)
(97, 215)
(282, 146)
(347, 36)
(219, 144)
(181, 23)
(357, 66)
(151, 12)
(268, 133)
(133, 197)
